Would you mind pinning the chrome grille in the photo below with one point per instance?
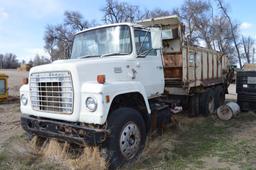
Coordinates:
(52, 92)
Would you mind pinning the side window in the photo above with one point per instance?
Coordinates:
(143, 42)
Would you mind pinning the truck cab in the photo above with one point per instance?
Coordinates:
(121, 53)
(113, 72)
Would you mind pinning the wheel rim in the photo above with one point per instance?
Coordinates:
(211, 105)
(130, 140)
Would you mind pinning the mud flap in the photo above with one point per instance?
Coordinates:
(161, 117)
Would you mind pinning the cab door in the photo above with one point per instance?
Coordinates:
(148, 64)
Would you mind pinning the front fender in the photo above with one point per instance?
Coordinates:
(112, 90)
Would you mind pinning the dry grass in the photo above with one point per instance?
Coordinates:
(90, 159)
(204, 143)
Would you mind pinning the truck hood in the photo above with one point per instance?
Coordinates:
(84, 70)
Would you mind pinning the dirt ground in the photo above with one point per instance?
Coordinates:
(196, 143)
(9, 111)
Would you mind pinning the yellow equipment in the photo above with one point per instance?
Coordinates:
(3, 87)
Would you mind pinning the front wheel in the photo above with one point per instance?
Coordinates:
(128, 136)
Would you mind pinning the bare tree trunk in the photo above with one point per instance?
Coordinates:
(246, 46)
(253, 53)
(232, 31)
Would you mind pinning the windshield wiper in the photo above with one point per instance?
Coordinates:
(90, 56)
(110, 54)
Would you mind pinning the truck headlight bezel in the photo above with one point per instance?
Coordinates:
(91, 104)
(24, 99)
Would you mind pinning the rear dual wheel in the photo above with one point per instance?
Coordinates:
(202, 103)
(207, 102)
(211, 99)
(219, 97)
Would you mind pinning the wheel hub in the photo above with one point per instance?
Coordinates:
(130, 140)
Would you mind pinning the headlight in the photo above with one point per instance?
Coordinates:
(91, 104)
(24, 99)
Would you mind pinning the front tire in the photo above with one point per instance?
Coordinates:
(128, 136)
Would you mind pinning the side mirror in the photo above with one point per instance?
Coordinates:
(156, 38)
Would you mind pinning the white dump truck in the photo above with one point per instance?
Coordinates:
(121, 82)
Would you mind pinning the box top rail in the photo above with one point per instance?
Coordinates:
(159, 21)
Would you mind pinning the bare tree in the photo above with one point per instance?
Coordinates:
(253, 55)
(202, 20)
(197, 17)
(58, 41)
(156, 13)
(232, 28)
(40, 60)
(75, 20)
(59, 38)
(116, 12)
(23, 62)
(1, 61)
(248, 44)
(222, 34)
(8, 61)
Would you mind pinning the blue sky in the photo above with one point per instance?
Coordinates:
(23, 22)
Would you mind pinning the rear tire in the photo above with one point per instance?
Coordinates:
(219, 97)
(207, 102)
(128, 136)
(194, 105)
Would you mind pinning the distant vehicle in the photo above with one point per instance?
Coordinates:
(3, 87)
(246, 87)
(120, 83)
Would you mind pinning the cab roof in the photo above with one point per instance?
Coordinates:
(108, 25)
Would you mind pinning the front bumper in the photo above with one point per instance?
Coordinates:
(65, 131)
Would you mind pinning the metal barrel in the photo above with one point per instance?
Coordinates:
(227, 111)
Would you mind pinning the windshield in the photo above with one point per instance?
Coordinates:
(102, 42)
